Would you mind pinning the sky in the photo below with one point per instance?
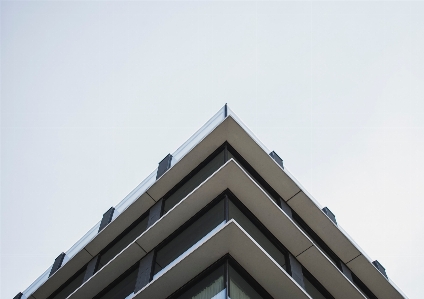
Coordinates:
(94, 94)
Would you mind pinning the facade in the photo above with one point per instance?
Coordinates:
(219, 218)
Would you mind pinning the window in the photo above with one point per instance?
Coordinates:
(200, 227)
(232, 154)
(247, 224)
(69, 286)
(122, 241)
(210, 219)
(312, 290)
(197, 229)
(240, 288)
(121, 288)
(226, 279)
(201, 173)
(211, 286)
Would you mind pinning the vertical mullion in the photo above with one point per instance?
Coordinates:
(162, 208)
(226, 280)
(226, 208)
(153, 266)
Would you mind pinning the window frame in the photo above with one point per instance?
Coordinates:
(120, 237)
(227, 260)
(68, 282)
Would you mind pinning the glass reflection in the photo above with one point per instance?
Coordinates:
(257, 235)
(212, 286)
(312, 290)
(122, 241)
(70, 286)
(240, 288)
(194, 181)
(123, 289)
(189, 237)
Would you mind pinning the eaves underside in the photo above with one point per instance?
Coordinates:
(232, 177)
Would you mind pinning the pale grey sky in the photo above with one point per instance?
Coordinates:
(94, 94)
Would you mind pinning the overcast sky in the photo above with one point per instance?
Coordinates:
(94, 94)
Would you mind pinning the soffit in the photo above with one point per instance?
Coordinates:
(101, 240)
(333, 280)
(117, 226)
(233, 240)
(229, 176)
(323, 227)
(376, 282)
(112, 270)
(342, 246)
(190, 161)
(228, 130)
(62, 274)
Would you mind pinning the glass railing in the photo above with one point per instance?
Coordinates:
(37, 283)
(69, 254)
(132, 196)
(198, 136)
(135, 194)
(246, 128)
(83, 241)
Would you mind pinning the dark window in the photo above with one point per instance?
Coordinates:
(257, 235)
(317, 240)
(224, 279)
(123, 240)
(330, 254)
(209, 287)
(189, 235)
(206, 169)
(313, 286)
(312, 290)
(121, 287)
(193, 180)
(240, 288)
(233, 154)
(364, 289)
(69, 286)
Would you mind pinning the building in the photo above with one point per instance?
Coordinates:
(219, 218)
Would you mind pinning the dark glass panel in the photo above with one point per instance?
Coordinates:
(317, 240)
(364, 289)
(253, 177)
(313, 287)
(189, 236)
(122, 242)
(70, 286)
(194, 181)
(240, 288)
(257, 235)
(123, 288)
(312, 290)
(212, 286)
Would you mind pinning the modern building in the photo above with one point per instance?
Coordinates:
(219, 218)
